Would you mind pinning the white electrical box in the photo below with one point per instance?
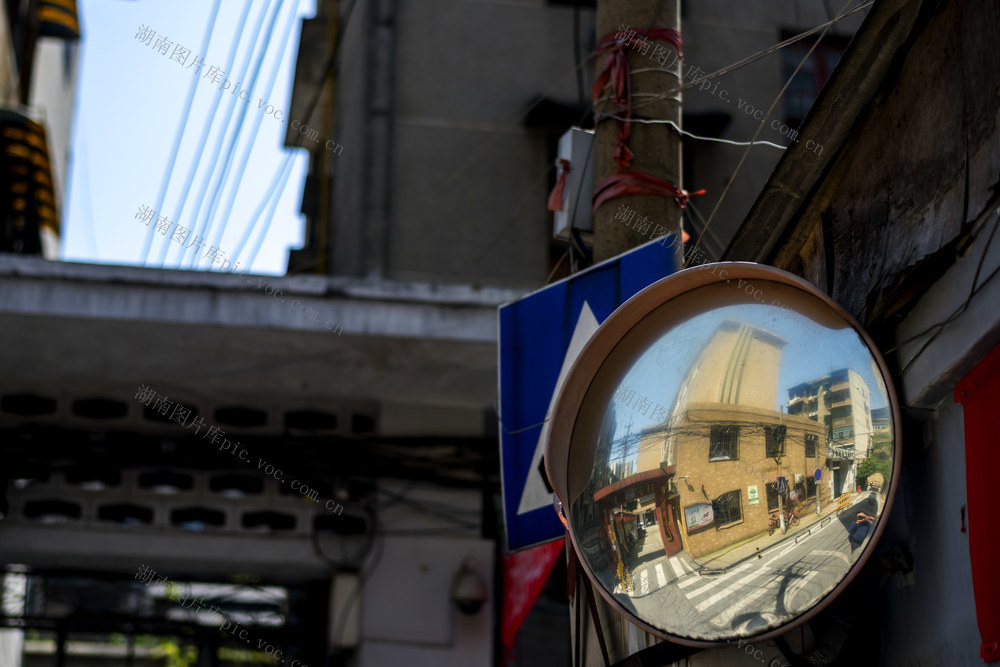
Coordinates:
(576, 146)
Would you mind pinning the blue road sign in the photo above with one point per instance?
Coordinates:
(817, 474)
(540, 336)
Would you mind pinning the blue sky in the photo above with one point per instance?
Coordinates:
(805, 357)
(129, 101)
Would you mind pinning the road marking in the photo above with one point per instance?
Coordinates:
(661, 578)
(786, 550)
(794, 589)
(729, 590)
(730, 612)
(836, 554)
(711, 581)
(644, 582)
(678, 570)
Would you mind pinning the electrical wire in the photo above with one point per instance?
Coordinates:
(475, 159)
(664, 121)
(958, 311)
(358, 558)
(211, 164)
(331, 62)
(423, 507)
(279, 177)
(754, 57)
(178, 138)
(362, 581)
(701, 219)
(85, 159)
(203, 140)
(739, 165)
(496, 410)
(248, 146)
(269, 217)
(195, 259)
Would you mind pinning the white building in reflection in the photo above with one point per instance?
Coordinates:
(841, 401)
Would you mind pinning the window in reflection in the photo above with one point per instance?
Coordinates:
(727, 509)
(681, 496)
(724, 443)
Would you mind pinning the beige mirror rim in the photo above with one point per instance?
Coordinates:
(592, 358)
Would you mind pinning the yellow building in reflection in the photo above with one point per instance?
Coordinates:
(727, 444)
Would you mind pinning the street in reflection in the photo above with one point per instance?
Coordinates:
(739, 472)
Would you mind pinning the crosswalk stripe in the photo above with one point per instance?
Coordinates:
(644, 581)
(661, 578)
(715, 581)
(730, 612)
(693, 579)
(729, 590)
(786, 549)
(676, 568)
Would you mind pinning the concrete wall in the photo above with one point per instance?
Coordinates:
(929, 614)
(467, 180)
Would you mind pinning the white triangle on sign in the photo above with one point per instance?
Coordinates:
(535, 494)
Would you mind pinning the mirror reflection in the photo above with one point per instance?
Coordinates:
(739, 472)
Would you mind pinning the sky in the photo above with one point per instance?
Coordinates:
(130, 99)
(804, 358)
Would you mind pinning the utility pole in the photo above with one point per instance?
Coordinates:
(656, 148)
(655, 156)
(781, 503)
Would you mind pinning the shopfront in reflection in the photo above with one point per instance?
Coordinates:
(625, 508)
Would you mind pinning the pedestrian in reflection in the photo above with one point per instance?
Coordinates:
(856, 533)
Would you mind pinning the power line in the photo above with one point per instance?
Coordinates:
(754, 57)
(732, 179)
(665, 121)
(244, 159)
(214, 161)
(270, 214)
(178, 137)
(331, 62)
(186, 189)
(475, 159)
(248, 231)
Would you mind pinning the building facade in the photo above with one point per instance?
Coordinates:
(841, 402)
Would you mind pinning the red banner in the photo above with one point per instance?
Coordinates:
(524, 576)
(979, 394)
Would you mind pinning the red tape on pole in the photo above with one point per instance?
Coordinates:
(638, 183)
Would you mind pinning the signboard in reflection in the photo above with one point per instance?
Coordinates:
(698, 516)
(754, 468)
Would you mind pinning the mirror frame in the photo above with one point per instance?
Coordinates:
(592, 358)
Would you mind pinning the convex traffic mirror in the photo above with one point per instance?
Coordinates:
(725, 450)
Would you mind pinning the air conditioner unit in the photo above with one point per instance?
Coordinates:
(576, 146)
